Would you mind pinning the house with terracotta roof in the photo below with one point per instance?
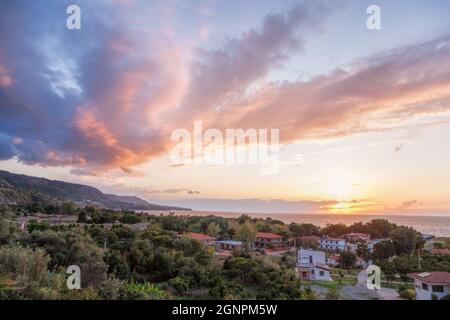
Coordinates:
(431, 285)
(311, 265)
(333, 260)
(203, 238)
(268, 240)
(440, 252)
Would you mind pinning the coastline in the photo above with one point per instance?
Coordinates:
(435, 225)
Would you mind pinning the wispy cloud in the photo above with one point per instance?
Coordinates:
(117, 93)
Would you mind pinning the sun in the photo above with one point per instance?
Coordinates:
(343, 207)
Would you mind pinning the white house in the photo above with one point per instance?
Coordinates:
(429, 284)
(334, 244)
(357, 236)
(353, 247)
(333, 260)
(311, 265)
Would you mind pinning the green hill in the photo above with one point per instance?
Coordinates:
(20, 189)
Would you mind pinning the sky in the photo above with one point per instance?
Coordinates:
(363, 115)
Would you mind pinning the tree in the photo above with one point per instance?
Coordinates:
(246, 232)
(213, 229)
(196, 227)
(179, 284)
(379, 228)
(303, 229)
(405, 240)
(438, 245)
(111, 288)
(334, 230)
(347, 259)
(68, 208)
(383, 250)
(28, 264)
(362, 251)
(8, 230)
(244, 218)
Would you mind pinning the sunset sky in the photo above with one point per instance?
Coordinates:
(364, 115)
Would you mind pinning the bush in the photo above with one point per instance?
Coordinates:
(332, 294)
(408, 294)
(30, 265)
(180, 285)
(145, 291)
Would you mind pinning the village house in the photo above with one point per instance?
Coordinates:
(203, 238)
(431, 285)
(356, 236)
(311, 265)
(353, 247)
(228, 245)
(333, 244)
(266, 240)
(440, 252)
(333, 260)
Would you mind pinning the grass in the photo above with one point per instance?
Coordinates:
(345, 272)
(337, 283)
(396, 285)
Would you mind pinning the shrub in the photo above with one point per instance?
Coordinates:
(408, 294)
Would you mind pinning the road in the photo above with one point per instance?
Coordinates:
(361, 292)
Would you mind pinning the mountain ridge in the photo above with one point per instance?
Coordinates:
(20, 188)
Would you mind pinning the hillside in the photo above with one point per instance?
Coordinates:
(17, 188)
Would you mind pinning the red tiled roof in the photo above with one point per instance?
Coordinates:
(280, 249)
(311, 238)
(440, 251)
(198, 236)
(335, 257)
(266, 235)
(432, 277)
(322, 266)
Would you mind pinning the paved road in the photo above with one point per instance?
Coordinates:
(361, 292)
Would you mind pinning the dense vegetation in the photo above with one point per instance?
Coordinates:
(119, 261)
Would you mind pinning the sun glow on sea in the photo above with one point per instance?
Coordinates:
(344, 207)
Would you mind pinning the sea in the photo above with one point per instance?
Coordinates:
(438, 226)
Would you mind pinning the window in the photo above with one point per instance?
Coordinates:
(322, 273)
(310, 259)
(425, 286)
(437, 288)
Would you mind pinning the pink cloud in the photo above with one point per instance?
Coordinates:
(378, 92)
(5, 79)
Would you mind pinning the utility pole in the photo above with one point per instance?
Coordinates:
(295, 251)
(418, 255)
